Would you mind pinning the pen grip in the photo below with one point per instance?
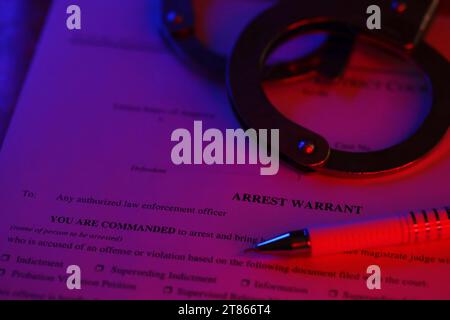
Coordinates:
(413, 227)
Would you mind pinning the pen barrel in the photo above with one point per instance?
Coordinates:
(413, 227)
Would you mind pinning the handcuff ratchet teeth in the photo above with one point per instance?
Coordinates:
(401, 31)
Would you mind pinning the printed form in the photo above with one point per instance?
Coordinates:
(86, 179)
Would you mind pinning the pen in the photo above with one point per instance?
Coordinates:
(413, 227)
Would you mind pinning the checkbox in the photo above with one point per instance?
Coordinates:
(245, 283)
(168, 290)
(99, 268)
(5, 257)
(2, 272)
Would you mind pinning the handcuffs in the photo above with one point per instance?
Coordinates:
(402, 31)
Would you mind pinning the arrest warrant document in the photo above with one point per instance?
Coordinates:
(86, 179)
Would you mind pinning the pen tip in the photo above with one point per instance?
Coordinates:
(250, 250)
